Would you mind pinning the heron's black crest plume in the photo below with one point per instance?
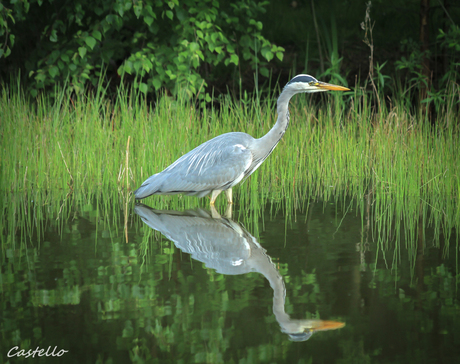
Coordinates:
(302, 78)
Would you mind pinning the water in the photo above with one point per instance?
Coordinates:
(319, 286)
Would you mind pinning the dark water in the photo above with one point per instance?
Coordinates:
(317, 287)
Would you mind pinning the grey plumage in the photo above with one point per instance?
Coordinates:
(217, 164)
(220, 163)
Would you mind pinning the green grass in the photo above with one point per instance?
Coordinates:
(339, 146)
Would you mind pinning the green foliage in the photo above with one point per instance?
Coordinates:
(6, 21)
(412, 64)
(380, 78)
(438, 93)
(450, 42)
(158, 43)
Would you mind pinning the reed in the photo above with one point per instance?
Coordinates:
(334, 146)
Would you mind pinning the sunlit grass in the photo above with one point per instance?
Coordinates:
(406, 166)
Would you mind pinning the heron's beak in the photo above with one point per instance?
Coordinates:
(322, 325)
(327, 86)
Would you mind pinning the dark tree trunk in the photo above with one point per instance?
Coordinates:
(424, 41)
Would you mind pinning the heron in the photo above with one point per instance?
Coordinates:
(222, 162)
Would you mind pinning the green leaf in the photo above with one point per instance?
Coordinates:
(195, 61)
(143, 87)
(147, 65)
(234, 59)
(118, 8)
(128, 67)
(194, 46)
(90, 41)
(264, 71)
(169, 14)
(53, 71)
(53, 57)
(156, 83)
(148, 20)
(280, 55)
(128, 5)
(53, 36)
(138, 9)
(266, 53)
(181, 14)
(82, 51)
(97, 34)
(137, 66)
(12, 38)
(170, 74)
(40, 77)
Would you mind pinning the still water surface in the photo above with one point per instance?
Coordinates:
(189, 287)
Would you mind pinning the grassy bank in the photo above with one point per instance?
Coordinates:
(406, 167)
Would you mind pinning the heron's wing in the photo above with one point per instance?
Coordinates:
(219, 163)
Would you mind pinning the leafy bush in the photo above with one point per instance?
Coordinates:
(157, 43)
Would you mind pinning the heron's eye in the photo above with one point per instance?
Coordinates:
(312, 83)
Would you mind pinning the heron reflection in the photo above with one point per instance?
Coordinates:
(225, 246)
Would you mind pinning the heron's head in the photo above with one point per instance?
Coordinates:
(307, 83)
(302, 330)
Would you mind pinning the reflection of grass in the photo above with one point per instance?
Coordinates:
(406, 166)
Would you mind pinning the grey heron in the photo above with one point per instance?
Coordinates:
(220, 163)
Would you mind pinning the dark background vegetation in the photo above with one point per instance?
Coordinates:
(216, 46)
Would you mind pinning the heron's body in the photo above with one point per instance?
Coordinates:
(216, 165)
(220, 163)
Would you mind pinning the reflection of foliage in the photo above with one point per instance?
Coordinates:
(158, 305)
(425, 312)
(355, 350)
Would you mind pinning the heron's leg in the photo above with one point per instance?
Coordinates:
(214, 195)
(229, 194)
(228, 211)
(214, 213)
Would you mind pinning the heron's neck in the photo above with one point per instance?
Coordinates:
(266, 267)
(269, 141)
